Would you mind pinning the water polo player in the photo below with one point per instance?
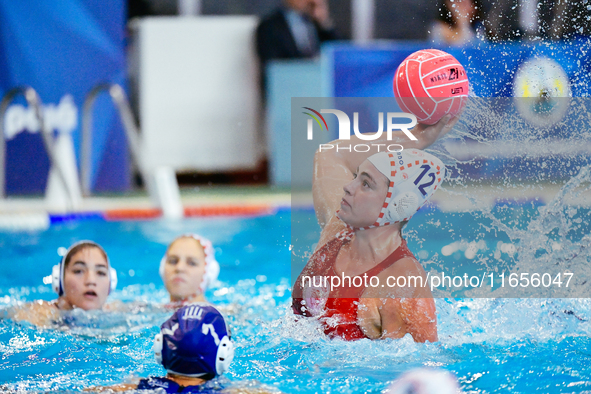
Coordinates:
(363, 239)
(83, 279)
(188, 268)
(194, 346)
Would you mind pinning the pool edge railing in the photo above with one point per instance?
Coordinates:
(34, 101)
(160, 182)
(130, 127)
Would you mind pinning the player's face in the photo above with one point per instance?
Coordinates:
(86, 279)
(364, 196)
(184, 269)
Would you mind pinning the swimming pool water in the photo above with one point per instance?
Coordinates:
(492, 345)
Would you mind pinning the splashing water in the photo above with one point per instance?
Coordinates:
(491, 344)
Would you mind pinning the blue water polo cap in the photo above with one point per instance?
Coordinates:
(195, 342)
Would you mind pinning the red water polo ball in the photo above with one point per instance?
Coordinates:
(430, 84)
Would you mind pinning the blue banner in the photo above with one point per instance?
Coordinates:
(62, 49)
(368, 71)
(528, 133)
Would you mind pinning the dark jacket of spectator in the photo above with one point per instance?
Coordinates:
(275, 38)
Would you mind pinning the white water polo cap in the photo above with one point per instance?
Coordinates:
(57, 273)
(425, 381)
(212, 267)
(414, 176)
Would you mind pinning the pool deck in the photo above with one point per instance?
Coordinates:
(207, 196)
(448, 198)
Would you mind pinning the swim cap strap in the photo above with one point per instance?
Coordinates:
(345, 234)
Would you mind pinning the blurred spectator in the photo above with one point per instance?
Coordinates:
(404, 19)
(138, 8)
(294, 31)
(502, 21)
(458, 22)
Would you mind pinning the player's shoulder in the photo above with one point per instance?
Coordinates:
(39, 312)
(407, 266)
(331, 230)
(406, 278)
(39, 306)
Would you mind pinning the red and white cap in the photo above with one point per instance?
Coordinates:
(414, 176)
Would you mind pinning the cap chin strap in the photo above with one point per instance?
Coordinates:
(390, 214)
(202, 375)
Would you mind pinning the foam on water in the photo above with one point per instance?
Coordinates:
(487, 343)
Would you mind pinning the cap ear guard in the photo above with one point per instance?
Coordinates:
(161, 269)
(401, 207)
(56, 283)
(112, 279)
(157, 348)
(225, 355)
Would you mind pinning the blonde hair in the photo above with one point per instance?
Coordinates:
(185, 237)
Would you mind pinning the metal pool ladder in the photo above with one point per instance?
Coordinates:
(34, 102)
(160, 182)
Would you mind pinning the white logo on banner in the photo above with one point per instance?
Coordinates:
(62, 117)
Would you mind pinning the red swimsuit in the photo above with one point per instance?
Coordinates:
(337, 308)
